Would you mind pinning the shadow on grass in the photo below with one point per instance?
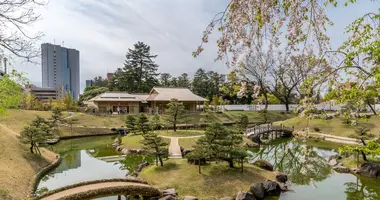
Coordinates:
(167, 167)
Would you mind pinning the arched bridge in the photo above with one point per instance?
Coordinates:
(101, 188)
(255, 132)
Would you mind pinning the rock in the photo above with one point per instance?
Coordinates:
(190, 198)
(272, 188)
(258, 191)
(263, 164)
(342, 169)
(333, 162)
(336, 157)
(125, 151)
(227, 198)
(119, 148)
(169, 192)
(245, 196)
(186, 151)
(169, 197)
(282, 178)
(370, 169)
(251, 145)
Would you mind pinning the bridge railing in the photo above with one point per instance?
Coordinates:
(266, 128)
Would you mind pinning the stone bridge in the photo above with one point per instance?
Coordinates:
(101, 188)
(255, 132)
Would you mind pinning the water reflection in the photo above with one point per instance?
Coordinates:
(303, 164)
(311, 175)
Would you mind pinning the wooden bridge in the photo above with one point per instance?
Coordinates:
(256, 132)
(101, 188)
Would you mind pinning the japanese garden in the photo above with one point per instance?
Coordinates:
(294, 118)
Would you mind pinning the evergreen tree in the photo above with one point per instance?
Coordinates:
(174, 82)
(165, 79)
(156, 122)
(139, 73)
(130, 123)
(151, 141)
(200, 83)
(221, 144)
(242, 123)
(184, 81)
(175, 112)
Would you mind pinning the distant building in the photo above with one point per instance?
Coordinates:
(109, 76)
(60, 69)
(42, 93)
(88, 83)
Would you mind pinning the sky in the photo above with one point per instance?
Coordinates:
(103, 30)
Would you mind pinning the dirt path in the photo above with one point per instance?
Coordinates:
(174, 148)
(339, 139)
(93, 187)
(13, 133)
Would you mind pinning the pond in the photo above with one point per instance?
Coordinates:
(312, 178)
(86, 159)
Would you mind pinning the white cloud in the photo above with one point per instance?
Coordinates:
(103, 30)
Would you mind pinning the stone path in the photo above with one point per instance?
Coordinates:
(93, 187)
(174, 148)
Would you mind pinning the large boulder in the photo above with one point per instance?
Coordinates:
(370, 169)
(245, 196)
(263, 164)
(272, 188)
(169, 192)
(258, 191)
(227, 198)
(282, 178)
(190, 198)
(169, 197)
(333, 162)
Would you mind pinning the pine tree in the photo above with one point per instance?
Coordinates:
(176, 111)
(156, 122)
(130, 123)
(184, 81)
(165, 79)
(151, 141)
(139, 73)
(221, 144)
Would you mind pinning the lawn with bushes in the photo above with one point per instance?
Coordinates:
(216, 180)
(180, 133)
(334, 126)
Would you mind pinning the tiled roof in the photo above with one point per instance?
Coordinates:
(116, 96)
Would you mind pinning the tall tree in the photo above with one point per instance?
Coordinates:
(176, 111)
(10, 90)
(184, 81)
(68, 101)
(99, 82)
(140, 71)
(130, 123)
(200, 83)
(231, 87)
(165, 79)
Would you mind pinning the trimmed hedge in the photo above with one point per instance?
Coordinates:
(38, 176)
(130, 180)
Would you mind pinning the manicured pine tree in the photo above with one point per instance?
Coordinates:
(176, 111)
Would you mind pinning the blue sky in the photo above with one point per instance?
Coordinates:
(103, 30)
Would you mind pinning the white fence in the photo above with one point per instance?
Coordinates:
(282, 107)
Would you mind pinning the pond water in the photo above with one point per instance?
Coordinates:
(307, 167)
(311, 176)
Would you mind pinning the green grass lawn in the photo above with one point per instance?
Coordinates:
(334, 126)
(134, 141)
(180, 133)
(187, 143)
(216, 180)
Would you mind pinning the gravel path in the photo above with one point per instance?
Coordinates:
(91, 187)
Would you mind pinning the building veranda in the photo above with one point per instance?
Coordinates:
(153, 102)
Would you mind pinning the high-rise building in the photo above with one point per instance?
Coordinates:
(60, 69)
(88, 83)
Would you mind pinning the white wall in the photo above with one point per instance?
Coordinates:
(281, 107)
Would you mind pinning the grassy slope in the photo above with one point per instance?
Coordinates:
(216, 180)
(180, 133)
(17, 165)
(187, 143)
(333, 126)
(17, 119)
